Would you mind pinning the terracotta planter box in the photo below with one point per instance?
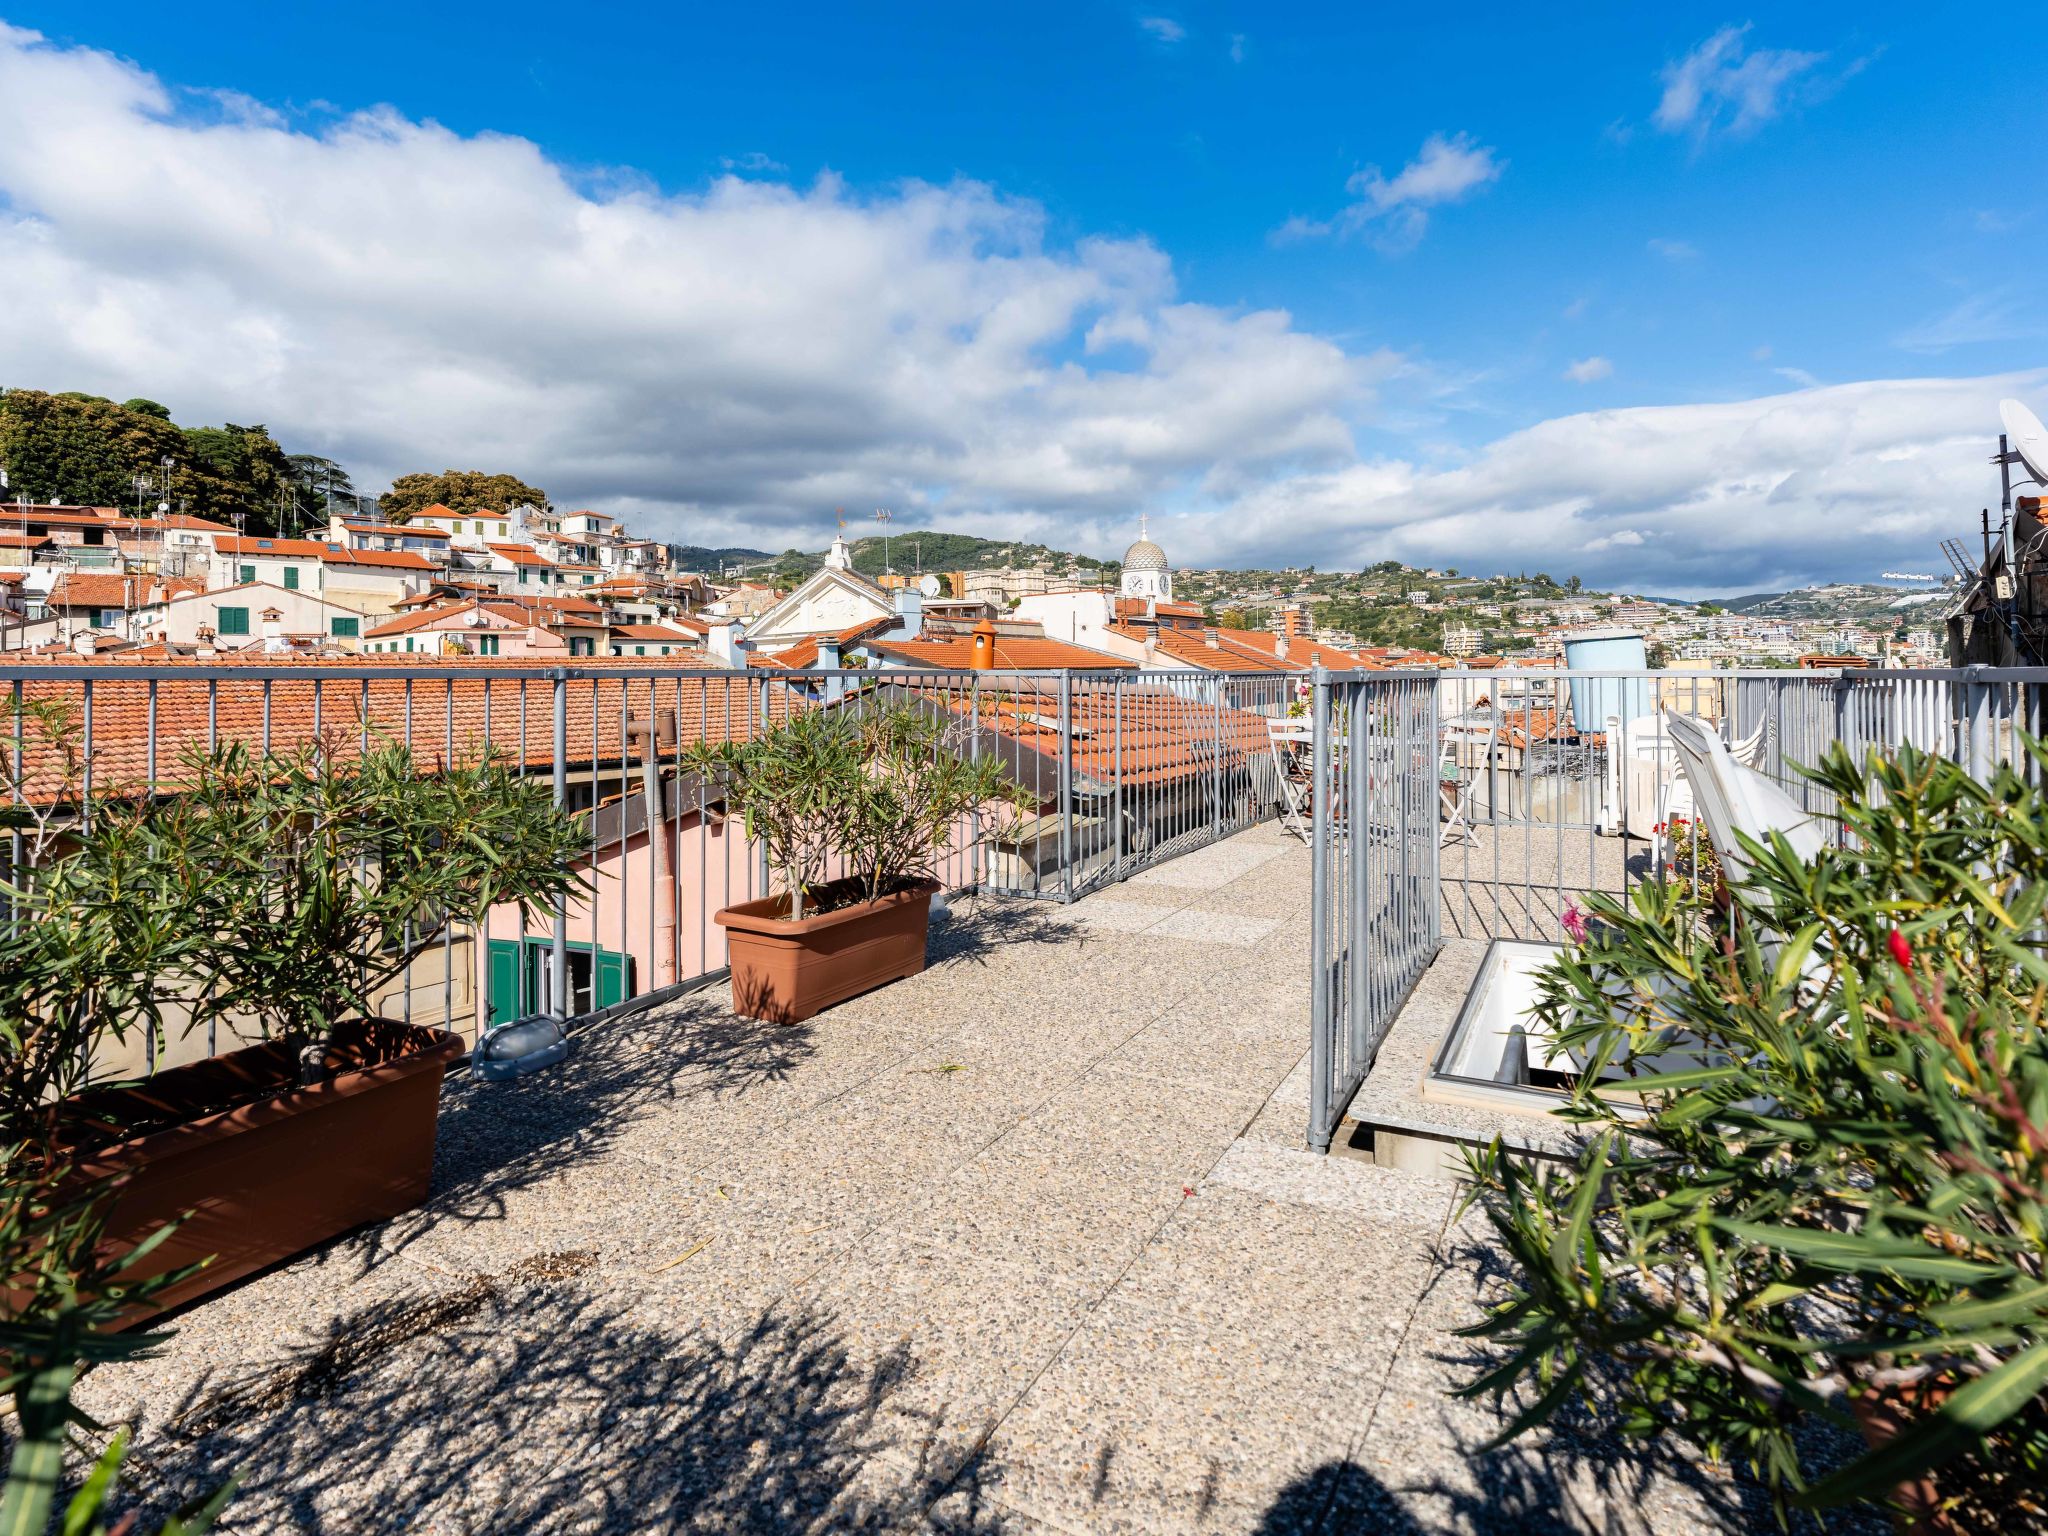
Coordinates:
(785, 971)
(276, 1174)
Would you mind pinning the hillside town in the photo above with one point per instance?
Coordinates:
(540, 584)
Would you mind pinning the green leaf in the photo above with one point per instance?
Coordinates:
(1859, 1253)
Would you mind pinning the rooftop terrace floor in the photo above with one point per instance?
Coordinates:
(1029, 1243)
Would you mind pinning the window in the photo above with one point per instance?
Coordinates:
(109, 617)
(639, 650)
(233, 621)
(408, 642)
(523, 574)
(487, 645)
(345, 629)
(291, 578)
(248, 573)
(582, 645)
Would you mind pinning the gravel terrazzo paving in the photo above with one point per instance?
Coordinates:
(1028, 1243)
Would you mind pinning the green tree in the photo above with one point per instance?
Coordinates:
(87, 450)
(459, 490)
(244, 474)
(82, 449)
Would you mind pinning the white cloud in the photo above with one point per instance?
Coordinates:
(1749, 495)
(729, 364)
(733, 362)
(1163, 29)
(753, 163)
(1621, 538)
(1674, 250)
(1589, 370)
(1237, 47)
(1798, 376)
(1394, 210)
(1995, 314)
(1723, 86)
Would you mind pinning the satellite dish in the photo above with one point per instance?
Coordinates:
(2026, 437)
(928, 586)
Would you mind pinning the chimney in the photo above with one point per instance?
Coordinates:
(85, 643)
(828, 655)
(1280, 644)
(909, 604)
(1209, 636)
(983, 655)
(721, 643)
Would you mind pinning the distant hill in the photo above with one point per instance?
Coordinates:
(698, 557)
(928, 549)
(1843, 600)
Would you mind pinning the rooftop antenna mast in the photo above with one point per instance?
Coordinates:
(884, 516)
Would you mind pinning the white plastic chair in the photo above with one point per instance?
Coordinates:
(1734, 799)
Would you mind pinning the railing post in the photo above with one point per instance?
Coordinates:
(1322, 1001)
(1216, 683)
(1116, 815)
(1066, 782)
(1977, 717)
(558, 961)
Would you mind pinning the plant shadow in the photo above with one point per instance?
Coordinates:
(495, 1139)
(531, 1401)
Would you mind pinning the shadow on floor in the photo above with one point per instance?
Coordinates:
(529, 1402)
(979, 926)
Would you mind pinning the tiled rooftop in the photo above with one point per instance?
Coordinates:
(1027, 1243)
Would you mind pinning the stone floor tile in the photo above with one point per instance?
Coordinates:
(1332, 1288)
(1156, 1423)
(1072, 1217)
(961, 1335)
(1386, 1196)
(1203, 927)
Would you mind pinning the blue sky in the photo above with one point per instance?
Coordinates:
(1846, 197)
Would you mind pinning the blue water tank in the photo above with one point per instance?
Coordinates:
(1594, 699)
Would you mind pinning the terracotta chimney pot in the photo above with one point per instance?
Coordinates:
(982, 656)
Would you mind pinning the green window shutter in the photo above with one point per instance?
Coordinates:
(248, 573)
(614, 978)
(346, 629)
(508, 1000)
(233, 621)
(291, 578)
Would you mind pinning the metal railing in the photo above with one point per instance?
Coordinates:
(1545, 785)
(1373, 843)
(1124, 770)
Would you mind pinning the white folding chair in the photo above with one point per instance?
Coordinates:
(1291, 740)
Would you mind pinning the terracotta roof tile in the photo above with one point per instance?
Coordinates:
(1022, 652)
(710, 706)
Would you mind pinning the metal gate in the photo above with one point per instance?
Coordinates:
(1373, 839)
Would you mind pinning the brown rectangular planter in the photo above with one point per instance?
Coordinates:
(276, 1174)
(784, 971)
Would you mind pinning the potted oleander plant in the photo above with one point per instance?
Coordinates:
(854, 807)
(1840, 1218)
(285, 893)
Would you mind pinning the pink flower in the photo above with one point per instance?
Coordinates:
(1574, 923)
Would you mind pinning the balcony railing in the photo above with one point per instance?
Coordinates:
(1122, 770)
(1544, 785)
